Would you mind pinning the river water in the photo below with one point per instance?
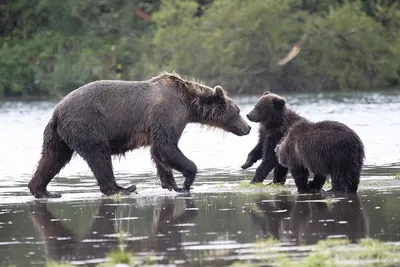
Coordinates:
(220, 221)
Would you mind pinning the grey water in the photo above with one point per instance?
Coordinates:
(220, 221)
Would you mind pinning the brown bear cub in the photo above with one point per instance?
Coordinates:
(105, 118)
(274, 119)
(324, 148)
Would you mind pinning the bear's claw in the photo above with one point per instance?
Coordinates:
(128, 190)
(182, 190)
(119, 190)
(246, 165)
(47, 194)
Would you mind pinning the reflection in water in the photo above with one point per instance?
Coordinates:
(213, 229)
(62, 243)
(310, 218)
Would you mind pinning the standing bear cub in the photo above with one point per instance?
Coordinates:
(275, 119)
(324, 148)
(106, 118)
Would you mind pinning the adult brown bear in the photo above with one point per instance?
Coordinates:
(106, 118)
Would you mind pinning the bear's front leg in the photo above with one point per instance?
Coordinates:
(269, 161)
(171, 156)
(254, 155)
(166, 176)
(262, 171)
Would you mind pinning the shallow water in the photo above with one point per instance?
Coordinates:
(220, 221)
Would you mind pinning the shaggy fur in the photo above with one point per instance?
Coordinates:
(324, 148)
(105, 118)
(275, 120)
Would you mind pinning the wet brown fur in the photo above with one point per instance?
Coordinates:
(323, 148)
(106, 118)
(274, 119)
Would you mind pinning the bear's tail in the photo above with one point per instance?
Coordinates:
(51, 139)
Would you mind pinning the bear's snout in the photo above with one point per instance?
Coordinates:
(248, 129)
(251, 118)
(244, 130)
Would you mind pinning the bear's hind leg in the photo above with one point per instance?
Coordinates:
(98, 157)
(317, 183)
(353, 181)
(349, 181)
(300, 176)
(338, 182)
(55, 156)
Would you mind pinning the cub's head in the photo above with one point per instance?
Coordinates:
(268, 109)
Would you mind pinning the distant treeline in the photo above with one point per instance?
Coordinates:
(49, 48)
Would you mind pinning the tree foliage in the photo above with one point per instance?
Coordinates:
(51, 47)
(240, 44)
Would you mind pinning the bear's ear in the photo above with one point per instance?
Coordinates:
(219, 91)
(278, 103)
(266, 93)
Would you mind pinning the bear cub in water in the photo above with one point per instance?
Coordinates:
(338, 151)
(324, 148)
(105, 118)
(274, 119)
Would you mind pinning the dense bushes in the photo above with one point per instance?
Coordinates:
(51, 47)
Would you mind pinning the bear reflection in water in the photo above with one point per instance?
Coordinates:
(63, 244)
(306, 219)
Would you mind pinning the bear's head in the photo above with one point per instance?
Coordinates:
(220, 111)
(268, 109)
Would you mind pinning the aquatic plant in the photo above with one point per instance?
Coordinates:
(58, 264)
(119, 255)
(270, 188)
(331, 252)
(266, 243)
(328, 183)
(337, 252)
(247, 184)
(397, 176)
(334, 252)
(219, 186)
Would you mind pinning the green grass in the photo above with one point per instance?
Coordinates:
(58, 264)
(219, 185)
(328, 183)
(247, 184)
(335, 252)
(118, 257)
(397, 177)
(270, 188)
(266, 243)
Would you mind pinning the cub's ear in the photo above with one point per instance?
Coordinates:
(266, 93)
(219, 91)
(278, 103)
